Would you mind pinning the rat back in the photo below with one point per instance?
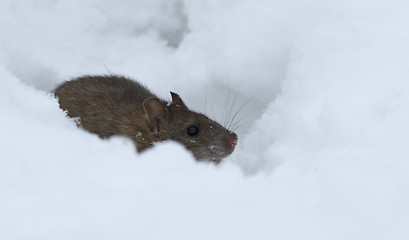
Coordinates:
(106, 105)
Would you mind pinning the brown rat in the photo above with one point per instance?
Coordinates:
(115, 105)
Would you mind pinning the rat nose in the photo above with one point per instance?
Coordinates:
(234, 140)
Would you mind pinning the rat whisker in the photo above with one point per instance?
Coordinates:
(238, 110)
(206, 97)
(234, 124)
(224, 115)
(232, 105)
(244, 105)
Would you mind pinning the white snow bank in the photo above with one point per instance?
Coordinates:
(328, 157)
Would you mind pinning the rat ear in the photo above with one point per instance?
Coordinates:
(155, 113)
(177, 100)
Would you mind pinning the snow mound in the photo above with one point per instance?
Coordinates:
(321, 93)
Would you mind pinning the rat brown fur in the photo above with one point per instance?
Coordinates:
(115, 105)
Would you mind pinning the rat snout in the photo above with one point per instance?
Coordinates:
(234, 142)
(233, 139)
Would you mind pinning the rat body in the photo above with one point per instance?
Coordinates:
(115, 105)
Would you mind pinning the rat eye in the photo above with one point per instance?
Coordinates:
(192, 130)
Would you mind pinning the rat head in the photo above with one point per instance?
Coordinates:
(205, 138)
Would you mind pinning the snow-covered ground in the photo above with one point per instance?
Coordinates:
(323, 148)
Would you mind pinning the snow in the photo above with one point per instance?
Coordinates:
(322, 89)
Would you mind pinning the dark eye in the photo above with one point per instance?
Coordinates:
(192, 130)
